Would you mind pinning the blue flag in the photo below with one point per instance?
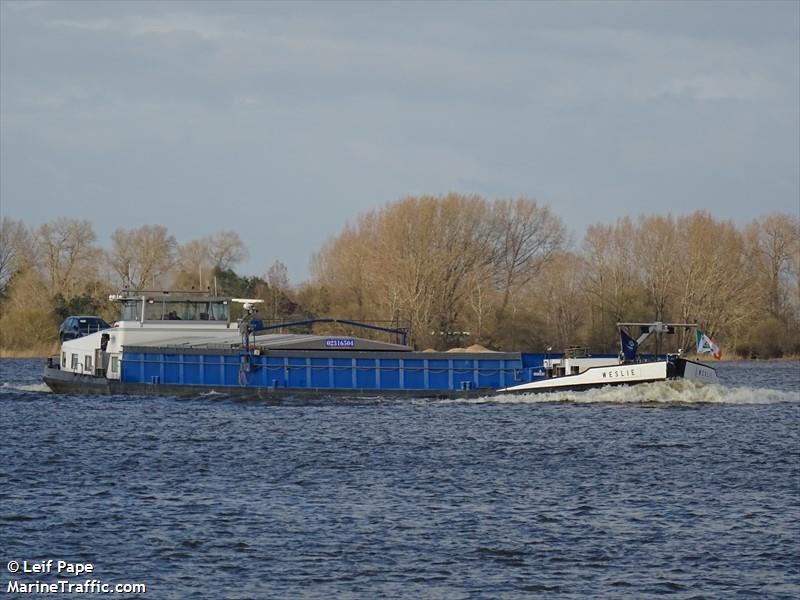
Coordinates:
(629, 345)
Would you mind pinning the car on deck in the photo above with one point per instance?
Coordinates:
(78, 326)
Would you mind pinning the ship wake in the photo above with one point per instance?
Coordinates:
(25, 387)
(677, 392)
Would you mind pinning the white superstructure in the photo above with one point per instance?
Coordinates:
(152, 318)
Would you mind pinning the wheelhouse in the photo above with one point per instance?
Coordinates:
(165, 306)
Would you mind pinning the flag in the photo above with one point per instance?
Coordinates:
(704, 344)
(629, 346)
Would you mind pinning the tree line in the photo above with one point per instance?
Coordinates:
(458, 269)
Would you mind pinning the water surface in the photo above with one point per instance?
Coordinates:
(671, 489)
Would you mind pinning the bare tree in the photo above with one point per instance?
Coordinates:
(774, 249)
(342, 265)
(67, 255)
(193, 266)
(560, 290)
(655, 243)
(711, 286)
(402, 263)
(427, 251)
(16, 249)
(278, 280)
(526, 235)
(197, 260)
(140, 255)
(462, 248)
(226, 250)
(611, 276)
(430, 260)
(481, 301)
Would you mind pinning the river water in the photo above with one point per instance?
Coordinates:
(670, 490)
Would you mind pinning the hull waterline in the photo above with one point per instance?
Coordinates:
(594, 378)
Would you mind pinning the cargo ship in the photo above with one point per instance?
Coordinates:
(185, 343)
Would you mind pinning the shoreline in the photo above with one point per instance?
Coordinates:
(39, 352)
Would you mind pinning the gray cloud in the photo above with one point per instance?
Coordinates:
(286, 120)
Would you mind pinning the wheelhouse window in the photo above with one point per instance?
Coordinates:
(131, 310)
(156, 310)
(74, 362)
(87, 364)
(173, 309)
(114, 364)
(63, 360)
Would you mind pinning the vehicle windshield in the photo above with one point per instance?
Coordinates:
(92, 324)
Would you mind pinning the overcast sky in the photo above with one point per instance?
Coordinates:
(285, 121)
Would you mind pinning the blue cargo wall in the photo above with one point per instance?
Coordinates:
(340, 371)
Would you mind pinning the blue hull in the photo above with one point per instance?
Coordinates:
(362, 372)
(274, 374)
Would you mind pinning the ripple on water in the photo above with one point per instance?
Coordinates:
(555, 495)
